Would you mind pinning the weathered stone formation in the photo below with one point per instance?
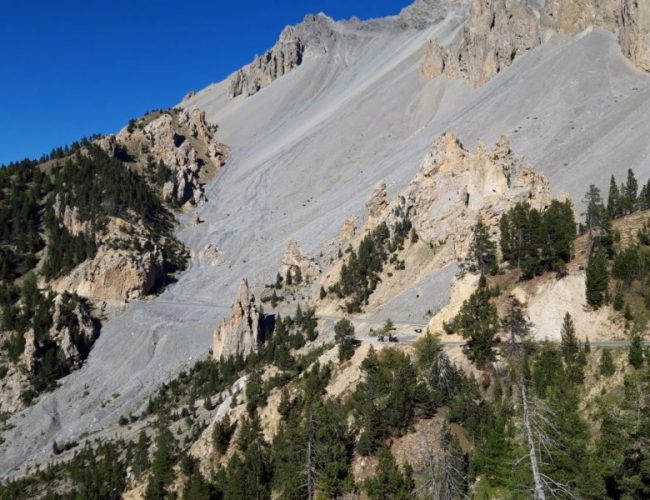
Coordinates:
(294, 259)
(434, 60)
(118, 270)
(239, 335)
(634, 34)
(180, 139)
(348, 230)
(73, 332)
(455, 186)
(287, 54)
(629, 19)
(377, 203)
(500, 31)
(497, 32)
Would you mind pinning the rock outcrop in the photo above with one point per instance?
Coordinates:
(456, 186)
(295, 259)
(497, 32)
(348, 230)
(181, 140)
(500, 31)
(434, 60)
(73, 332)
(121, 269)
(239, 335)
(634, 34)
(377, 203)
(287, 54)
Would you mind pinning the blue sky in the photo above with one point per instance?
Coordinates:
(72, 68)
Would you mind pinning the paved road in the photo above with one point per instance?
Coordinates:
(406, 334)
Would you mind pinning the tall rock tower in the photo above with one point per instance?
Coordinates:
(240, 334)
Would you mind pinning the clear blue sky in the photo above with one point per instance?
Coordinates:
(71, 68)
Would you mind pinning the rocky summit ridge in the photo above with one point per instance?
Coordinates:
(498, 32)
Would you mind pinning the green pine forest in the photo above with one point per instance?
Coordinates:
(35, 247)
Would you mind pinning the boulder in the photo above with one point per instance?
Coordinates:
(434, 60)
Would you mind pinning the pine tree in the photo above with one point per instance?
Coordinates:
(389, 481)
(597, 279)
(618, 301)
(635, 355)
(141, 456)
(222, 434)
(162, 473)
(482, 252)
(478, 322)
(606, 368)
(613, 200)
(629, 194)
(249, 472)
(516, 323)
(322, 293)
(344, 337)
(569, 342)
(595, 209)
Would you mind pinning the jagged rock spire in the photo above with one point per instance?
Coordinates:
(239, 334)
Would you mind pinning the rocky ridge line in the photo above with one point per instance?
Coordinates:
(499, 31)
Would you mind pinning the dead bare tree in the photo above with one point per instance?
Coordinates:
(538, 427)
(310, 470)
(444, 474)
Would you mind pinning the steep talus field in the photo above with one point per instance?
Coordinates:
(307, 150)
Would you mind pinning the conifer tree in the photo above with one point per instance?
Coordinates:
(613, 200)
(570, 346)
(141, 455)
(606, 367)
(162, 473)
(516, 323)
(618, 301)
(629, 194)
(595, 211)
(635, 355)
(478, 322)
(344, 337)
(249, 473)
(222, 434)
(597, 279)
(389, 481)
(482, 252)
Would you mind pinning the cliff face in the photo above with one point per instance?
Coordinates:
(455, 186)
(287, 54)
(121, 269)
(239, 334)
(500, 31)
(497, 32)
(634, 34)
(70, 337)
(183, 141)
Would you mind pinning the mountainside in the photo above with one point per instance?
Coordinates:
(357, 173)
